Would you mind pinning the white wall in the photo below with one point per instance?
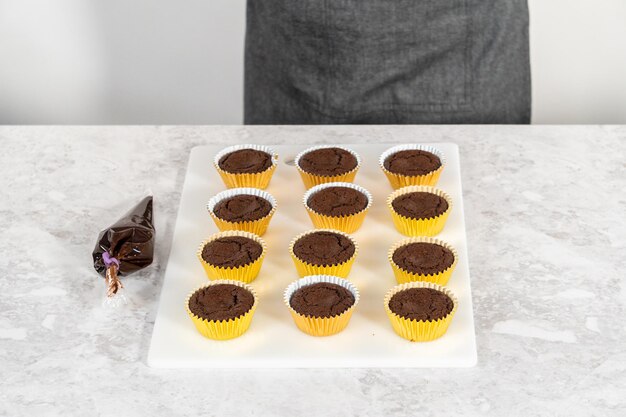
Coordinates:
(578, 57)
(177, 62)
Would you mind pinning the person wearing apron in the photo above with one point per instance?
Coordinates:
(387, 62)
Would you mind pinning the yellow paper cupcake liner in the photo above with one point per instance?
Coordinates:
(321, 326)
(419, 227)
(258, 227)
(403, 276)
(414, 330)
(399, 180)
(223, 329)
(311, 180)
(256, 180)
(346, 224)
(244, 273)
(304, 268)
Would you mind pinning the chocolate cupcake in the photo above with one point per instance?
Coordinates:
(222, 309)
(323, 252)
(246, 165)
(233, 254)
(247, 209)
(338, 205)
(321, 305)
(323, 164)
(412, 164)
(422, 259)
(419, 210)
(420, 311)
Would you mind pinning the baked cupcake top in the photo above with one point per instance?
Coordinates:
(221, 302)
(245, 161)
(412, 162)
(419, 205)
(231, 251)
(421, 304)
(423, 258)
(324, 248)
(337, 201)
(242, 207)
(322, 299)
(327, 161)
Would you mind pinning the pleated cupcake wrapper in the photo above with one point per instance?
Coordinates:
(253, 180)
(414, 330)
(321, 326)
(419, 227)
(258, 227)
(244, 273)
(399, 180)
(346, 224)
(223, 329)
(311, 180)
(403, 276)
(340, 270)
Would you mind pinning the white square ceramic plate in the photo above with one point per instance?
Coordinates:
(273, 341)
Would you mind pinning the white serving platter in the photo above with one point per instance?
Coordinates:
(273, 341)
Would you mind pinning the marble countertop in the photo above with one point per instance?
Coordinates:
(545, 212)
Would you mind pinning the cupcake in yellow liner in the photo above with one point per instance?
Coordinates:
(323, 252)
(417, 225)
(240, 257)
(434, 303)
(246, 165)
(239, 212)
(347, 223)
(216, 319)
(422, 254)
(315, 318)
(350, 159)
(409, 171)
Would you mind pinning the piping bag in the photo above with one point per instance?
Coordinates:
(125, 247)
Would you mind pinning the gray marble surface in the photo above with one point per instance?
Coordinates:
(545, 211)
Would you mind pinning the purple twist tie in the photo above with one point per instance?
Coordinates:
(109, 260)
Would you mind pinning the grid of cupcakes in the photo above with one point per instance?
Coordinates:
(232, 258)
(322, 301)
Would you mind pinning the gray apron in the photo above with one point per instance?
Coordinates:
(387, 61)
